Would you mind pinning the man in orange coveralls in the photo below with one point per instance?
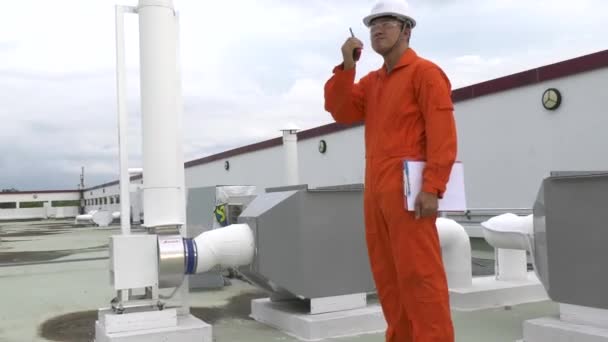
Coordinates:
(408, 114)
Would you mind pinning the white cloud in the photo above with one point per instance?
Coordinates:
(248, 68)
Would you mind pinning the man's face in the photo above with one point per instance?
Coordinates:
(384, 33)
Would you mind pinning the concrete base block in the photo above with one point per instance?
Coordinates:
(487, 292)
(552, 329)
(187, 329)
(294, 320)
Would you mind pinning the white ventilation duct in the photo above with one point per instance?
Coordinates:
(290, 150)
(231, 246)
(85, 217)
(510, 235)
(102, 218)
(456, 253)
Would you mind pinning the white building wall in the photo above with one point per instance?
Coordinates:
(24, 213)
(342, 163)
(36, 213)
(106, 196)
(263, 168)
(36, 197)
(509, 142)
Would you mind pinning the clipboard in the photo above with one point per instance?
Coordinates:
(454, 197)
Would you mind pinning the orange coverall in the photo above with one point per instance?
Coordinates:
(408, 114)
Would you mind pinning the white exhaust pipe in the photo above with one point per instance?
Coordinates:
(163, 189)
(510, 235)
(290, 150)
(231, 246)
(102, 218)
(83, 218)
(508, 231)
(88, 217)
(456, 253)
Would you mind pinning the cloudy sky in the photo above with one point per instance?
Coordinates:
(248, 69)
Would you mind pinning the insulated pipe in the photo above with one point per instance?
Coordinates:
(162, 150)
(88, 217)
(456, 253)
(99, 217)
(83, 217)
(231, 246)
(102, 218)
(510, 235)
(509, 231)
(290, 148)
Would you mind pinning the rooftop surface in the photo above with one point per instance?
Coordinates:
(54, 276)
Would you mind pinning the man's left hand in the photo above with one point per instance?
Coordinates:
(426, 204)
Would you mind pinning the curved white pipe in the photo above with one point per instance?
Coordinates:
(89, 216)
(102, 218)
(231, 246)
(511, 236)
(509, 231)
(456, 253)
(85, 217)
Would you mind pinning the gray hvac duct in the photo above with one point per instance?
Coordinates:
(570, 237)
(293, 242)
(310, 243)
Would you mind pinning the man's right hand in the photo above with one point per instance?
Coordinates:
(347, 52)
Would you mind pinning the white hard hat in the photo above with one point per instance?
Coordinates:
(395, 8)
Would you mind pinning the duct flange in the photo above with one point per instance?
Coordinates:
(171, 260)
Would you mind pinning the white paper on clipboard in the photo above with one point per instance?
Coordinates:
(454, 197)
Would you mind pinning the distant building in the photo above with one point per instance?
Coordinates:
(39, 204)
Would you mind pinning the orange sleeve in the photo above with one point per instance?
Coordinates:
(344, 99)
(435, 102)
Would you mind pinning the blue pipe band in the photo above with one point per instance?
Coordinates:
(190, 256)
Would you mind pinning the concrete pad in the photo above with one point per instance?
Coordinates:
(487, 292)
(140, 320)
(297, 322)
(551, 329)
(188, 329)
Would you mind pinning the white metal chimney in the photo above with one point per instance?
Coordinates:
(290, 150)
(163, 193)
